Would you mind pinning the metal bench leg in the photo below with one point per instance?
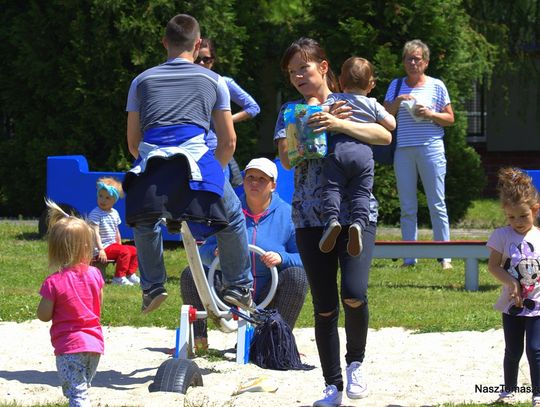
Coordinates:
(471, 274)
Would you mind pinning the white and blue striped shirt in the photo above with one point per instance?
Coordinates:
(433, 94)
(108, 224)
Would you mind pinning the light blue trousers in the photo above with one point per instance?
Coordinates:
(430, 163)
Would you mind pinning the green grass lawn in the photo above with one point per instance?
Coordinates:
(422, 298)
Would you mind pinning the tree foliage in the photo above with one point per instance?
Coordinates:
(459, 56)
(68, 65)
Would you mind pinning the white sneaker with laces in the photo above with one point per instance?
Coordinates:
(121, 281)
(134, 279)
(332, 397)
(356, 384)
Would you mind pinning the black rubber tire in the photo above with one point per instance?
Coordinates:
(176, 376)
(43, 224)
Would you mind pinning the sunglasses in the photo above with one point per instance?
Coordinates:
(204, 60)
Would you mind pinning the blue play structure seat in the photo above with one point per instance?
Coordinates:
(72, 185)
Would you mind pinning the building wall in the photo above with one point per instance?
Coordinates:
(493, 160)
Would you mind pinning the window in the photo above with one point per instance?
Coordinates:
(475, 109)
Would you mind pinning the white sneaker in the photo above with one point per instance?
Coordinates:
(356, 384)
(332, 397)
(133, 278)
(121, 281)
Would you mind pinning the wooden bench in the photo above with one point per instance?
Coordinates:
(469, 250)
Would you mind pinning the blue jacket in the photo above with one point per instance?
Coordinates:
(274, 231)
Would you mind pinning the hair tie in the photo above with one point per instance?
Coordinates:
(109, 188)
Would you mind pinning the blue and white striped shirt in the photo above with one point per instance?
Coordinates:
(175, 93)
(108, 224)
(242, 99)
(433, 94)
(175, 101)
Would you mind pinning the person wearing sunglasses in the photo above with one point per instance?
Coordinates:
(248, 105)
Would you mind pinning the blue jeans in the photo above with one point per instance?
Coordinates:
(232, 245)
(430, 163)
(348, 171)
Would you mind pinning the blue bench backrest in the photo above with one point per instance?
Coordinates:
(535, 175)
(70, 182)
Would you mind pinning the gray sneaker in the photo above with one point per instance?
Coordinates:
(152, 299)
(354, 246)
(328, 239)
(332, 397)
(240, 297)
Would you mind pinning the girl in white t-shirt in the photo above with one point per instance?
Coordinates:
(514, 260)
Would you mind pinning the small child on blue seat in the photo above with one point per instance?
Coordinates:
(105, 220)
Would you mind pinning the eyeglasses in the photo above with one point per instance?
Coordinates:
(413, 59)
(204, 60)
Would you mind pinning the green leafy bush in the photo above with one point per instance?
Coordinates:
(67, 67)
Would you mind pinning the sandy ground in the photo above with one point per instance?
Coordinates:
(402, 368)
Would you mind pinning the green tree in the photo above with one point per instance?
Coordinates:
(68, 65)
(66, 72)
(459, 56)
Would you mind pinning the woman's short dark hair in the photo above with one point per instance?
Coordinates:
(310, 51)
(208, 43)
(182, 31)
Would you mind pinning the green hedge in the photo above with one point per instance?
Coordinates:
(67, 67)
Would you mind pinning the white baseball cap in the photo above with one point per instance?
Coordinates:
(264, 165)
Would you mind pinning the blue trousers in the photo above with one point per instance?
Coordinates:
(76, 371)
(348, 171)
(516, 329)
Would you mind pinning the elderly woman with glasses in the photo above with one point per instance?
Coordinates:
(248, 106)
(422, 107)
(269, 226)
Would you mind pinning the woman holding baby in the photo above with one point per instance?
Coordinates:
(422, 108)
